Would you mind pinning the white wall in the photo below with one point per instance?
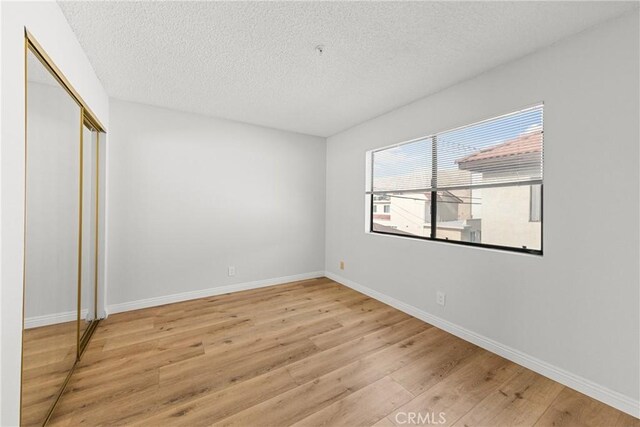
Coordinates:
(575, 308)
(47, 23)
(205, 194)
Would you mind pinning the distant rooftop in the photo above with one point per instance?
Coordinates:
(528, 144)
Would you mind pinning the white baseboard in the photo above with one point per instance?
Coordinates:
(52, 319)
(203, 293)
(583, 385)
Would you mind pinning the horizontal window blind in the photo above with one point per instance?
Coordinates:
(403, 167)
(506, 150)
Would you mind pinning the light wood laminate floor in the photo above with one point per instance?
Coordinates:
(306, 353)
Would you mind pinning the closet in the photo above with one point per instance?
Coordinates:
(62, 232)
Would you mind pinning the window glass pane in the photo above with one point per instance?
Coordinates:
(404, 213)
(457, 215)
(494, 216)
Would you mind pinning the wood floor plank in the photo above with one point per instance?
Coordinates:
(314, 395)
(287, 346)
(241, 368)
(441, 360)
(365, 407)
(154, 361)
(572, 408)
(364, 324)
(112, 328)
(384, 422)
(308, 353)
(236, 336)
(214, 406)
(333, 358)
(518, 402)
(159, 332)
(458, 393)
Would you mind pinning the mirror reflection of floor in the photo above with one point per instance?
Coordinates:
(49, 353)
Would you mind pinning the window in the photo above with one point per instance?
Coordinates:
(478, 185)
(375, 208)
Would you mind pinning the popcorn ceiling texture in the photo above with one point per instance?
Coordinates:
(256, 61)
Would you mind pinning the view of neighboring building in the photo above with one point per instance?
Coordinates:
(411, 213)
(501, 215)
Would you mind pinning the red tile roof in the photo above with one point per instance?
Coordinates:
(528, 144)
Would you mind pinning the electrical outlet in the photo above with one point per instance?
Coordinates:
(341, 265)
(441, 298)
(232, 270)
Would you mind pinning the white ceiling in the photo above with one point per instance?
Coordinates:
(256, 61)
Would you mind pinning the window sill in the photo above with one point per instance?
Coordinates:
(492, 248)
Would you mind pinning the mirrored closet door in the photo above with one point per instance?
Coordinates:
(89, 247)
(61, 235)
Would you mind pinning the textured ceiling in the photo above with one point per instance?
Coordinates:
(256, 61)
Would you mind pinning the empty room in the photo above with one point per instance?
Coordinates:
(310, 213)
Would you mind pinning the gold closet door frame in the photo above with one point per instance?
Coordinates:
(86, 116)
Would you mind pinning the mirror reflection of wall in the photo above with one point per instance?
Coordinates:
(51, 241)
(89, 226)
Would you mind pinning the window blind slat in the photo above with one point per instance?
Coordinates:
(506, 150)
(405, 166)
